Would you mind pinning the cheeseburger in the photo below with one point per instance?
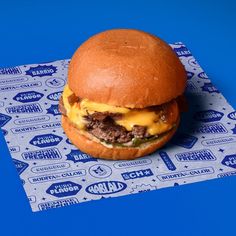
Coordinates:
(121, 99)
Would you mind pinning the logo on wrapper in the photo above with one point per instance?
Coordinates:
(186, 174)
(106, 187)
(58, 203)
(50, 167)
(215, 128)
(167, 160)
(4, 119)
(234, 130)
(134, 163)
(68, 141)
(232, 115)
(54, 110)
(208, 116)
(57, 176)
(45, 140)
(192, 62)
(13, 87)
(230, 161)
(226, 174)
(218, 141)
(100, 171)
(14, 149)
(29, 108)
(55, 82)
(198, 155)
(137, 174)
(30, 96)
(10, 71)
(64, 189)
(41, 71)
(184, 140)
(209, 87)
(182, 52)
(32, 199)
(36, 127)
(13, 80)
(46, 154)
(20, 165)
(78, 156)
(202, 75)
(30, 120)
(54, 96)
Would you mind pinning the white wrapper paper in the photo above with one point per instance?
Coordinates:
(55, 173)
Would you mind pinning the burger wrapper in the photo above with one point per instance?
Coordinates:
(55, 173)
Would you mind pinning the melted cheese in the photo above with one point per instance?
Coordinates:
(74, 113)
(76, 116)
(145, 118)
(130, 118)
(91, 107)
(66, 93)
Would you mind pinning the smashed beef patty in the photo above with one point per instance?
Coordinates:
(107, 130)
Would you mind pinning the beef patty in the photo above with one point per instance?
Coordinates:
(107, 130)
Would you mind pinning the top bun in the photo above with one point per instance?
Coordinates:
(126, 68)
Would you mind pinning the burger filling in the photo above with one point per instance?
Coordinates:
(118, 125)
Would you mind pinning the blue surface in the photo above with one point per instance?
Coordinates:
(48, 30)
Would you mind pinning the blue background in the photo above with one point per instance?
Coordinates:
(39, 31)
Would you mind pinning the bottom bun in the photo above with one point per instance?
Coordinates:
(95, 149)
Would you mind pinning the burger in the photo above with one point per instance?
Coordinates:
(122, 98)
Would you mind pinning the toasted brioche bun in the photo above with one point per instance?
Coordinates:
(126, 68)
(95, 149)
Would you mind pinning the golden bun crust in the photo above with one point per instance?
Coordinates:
(127, 68)
(116, 153)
